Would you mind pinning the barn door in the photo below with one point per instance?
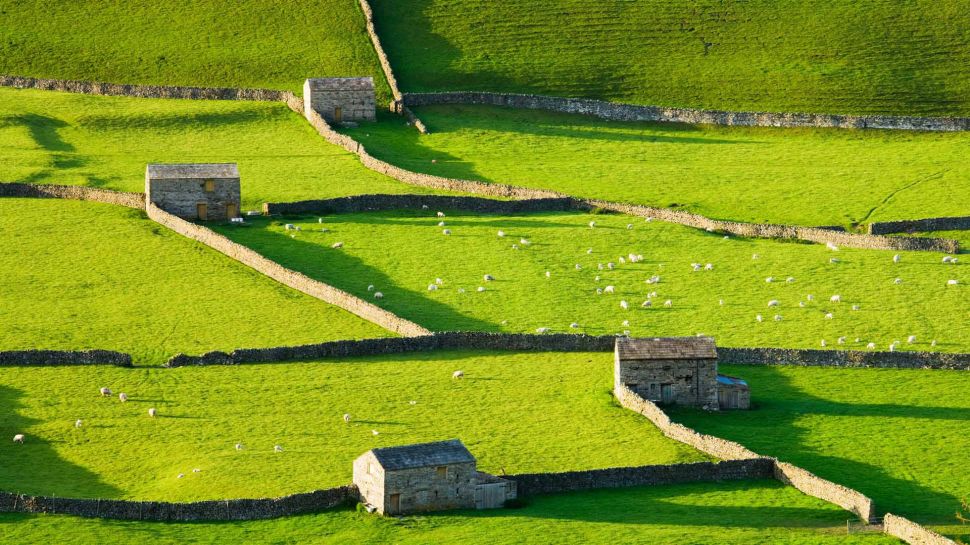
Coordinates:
(202, 210)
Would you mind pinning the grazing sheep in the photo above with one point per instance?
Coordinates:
(488, 278)
(609, 289)
(122, 397)
(77, 423)
(277, 448)
(836, 299)
(446, 231)
(501, 233)
(542, 330)
(347, 418)
(458, 374)
(624, 305)
(337, 245)
(758, 318)
(19, 438)
(773, 303)
(871, 346)
(668, 303)
(378, 295)
(441, 214)
(952, 282)
(105, 392)
(646, 304)
(911, 339)
(896, 258)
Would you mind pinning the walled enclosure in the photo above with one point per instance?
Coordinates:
(341, 99)
(197, 191)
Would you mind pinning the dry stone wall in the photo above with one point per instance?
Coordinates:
(293, 279)
(530, 484)
(959, 223)
(33, 358)
(372, 203)
(631, 112)
(215, 510)
(912, 533)
(72, 192)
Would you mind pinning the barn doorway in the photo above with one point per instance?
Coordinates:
(338, 114)
(395, 502)
(202, 211)
(232, 210)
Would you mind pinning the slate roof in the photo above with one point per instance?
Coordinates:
(423, 455)
(666, 348)
(341, 84)
(193, 170)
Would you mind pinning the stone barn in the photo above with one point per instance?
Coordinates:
(195, 191)
(427, 477)
(678, 371)
(338, 100)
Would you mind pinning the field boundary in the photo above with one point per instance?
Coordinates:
(956, 223)
(618, 111)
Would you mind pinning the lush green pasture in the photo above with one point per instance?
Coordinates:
(63, 138)
(898, 436)
(181, 42)
(750, 512)
(795, 176)
(870, 56)
(402, 253)
(86, 275)
(518, 412)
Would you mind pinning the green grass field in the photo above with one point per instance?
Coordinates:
(898, 436)
(62, 138)
(870, 56)
(768, 175)
(179, 42)
(727, 513)
(521, 412)
(402, 253)
(80, 275)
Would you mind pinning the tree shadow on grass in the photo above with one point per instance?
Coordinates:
(772, 428)
(34, 467)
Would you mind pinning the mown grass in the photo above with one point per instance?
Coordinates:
(82, 275)
(871, 56)
(748, 512)
(517, 412)
(402, 253)
(62, 138)
(180, 42)
(792, 176)
(898, 436)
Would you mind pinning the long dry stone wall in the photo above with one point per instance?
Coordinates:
(958, 223)
(530, 484)
(72, 192)
(843, 358)
(215, 510)
(631, 112)
(36, 358)
(281, 274)
(912, 533)
(372, 203)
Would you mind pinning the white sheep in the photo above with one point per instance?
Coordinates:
(122, 397)
(836, 299)
(609, 289)
(773, 303)
(347, 418)
(19, 438)
(488, 278)
(105, 392)
(337, 245)
(446, 231)
(152, 412)
(624, 305)
(378, 295)
(458, 374)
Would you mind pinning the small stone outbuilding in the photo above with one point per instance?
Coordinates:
(194, 191)
(339, 100)
(426, 477)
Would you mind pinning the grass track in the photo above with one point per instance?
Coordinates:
(898, 436)
(402, 253)
(869, 56)
(768, 175)
(522, 412)
(180, 42)
(735, 513)
(82, 275)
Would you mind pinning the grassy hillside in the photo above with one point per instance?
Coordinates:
(86, 275)
(61, 138)
(181, 42)
(402, 253)
(794, 176)
(871, 56)
(751, 512)
(507, 410)
(898, 436)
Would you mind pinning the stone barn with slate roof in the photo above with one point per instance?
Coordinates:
(195, 191)
(672, 370)
(426, 477)
(338, 100)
